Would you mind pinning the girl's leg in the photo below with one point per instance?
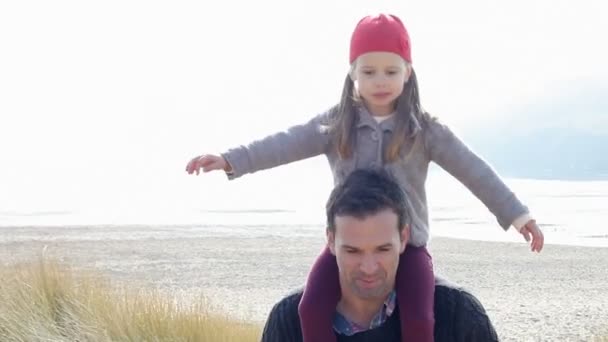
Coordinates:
(319, 300)
(415, 286)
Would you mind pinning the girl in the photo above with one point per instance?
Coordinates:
(379, 123)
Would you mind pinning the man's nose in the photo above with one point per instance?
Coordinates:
(369, 265)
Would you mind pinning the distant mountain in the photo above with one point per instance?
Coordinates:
(564, 137)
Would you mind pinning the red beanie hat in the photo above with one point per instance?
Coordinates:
(382, 32)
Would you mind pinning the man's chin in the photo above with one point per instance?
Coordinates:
(367, 291)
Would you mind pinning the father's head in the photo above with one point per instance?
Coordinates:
(368, 218)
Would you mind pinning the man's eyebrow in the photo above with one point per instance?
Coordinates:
(345, 246)
(386, 245)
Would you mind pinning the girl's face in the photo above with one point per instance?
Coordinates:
(379, 79)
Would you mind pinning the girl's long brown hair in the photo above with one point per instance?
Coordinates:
(410, 116)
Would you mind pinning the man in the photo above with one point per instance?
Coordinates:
(367, 217)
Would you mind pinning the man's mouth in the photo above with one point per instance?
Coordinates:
(367, 283)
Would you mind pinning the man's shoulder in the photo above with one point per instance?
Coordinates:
(289, 303)
(283, 323)
(459, 315)
(451, 294)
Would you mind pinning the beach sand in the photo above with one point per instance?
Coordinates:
(560, 294)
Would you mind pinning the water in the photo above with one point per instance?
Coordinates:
(570, 212)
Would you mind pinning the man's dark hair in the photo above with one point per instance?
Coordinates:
(366, 192)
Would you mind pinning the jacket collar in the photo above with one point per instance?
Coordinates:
(367, 119)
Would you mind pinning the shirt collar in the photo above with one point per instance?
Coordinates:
(344, 326)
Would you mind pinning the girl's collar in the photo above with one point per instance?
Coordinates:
(367, 119)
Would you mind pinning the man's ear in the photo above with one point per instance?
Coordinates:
(405, 237)
(331, 241)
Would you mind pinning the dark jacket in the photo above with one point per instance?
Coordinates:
(459, 317)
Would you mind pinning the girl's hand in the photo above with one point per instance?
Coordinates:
(531, 231)
(207, 162)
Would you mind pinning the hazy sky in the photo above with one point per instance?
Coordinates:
(100, 99)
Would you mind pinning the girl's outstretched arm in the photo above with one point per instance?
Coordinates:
(295, 143)
(448, 151)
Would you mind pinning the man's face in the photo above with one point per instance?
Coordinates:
(367, 251)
